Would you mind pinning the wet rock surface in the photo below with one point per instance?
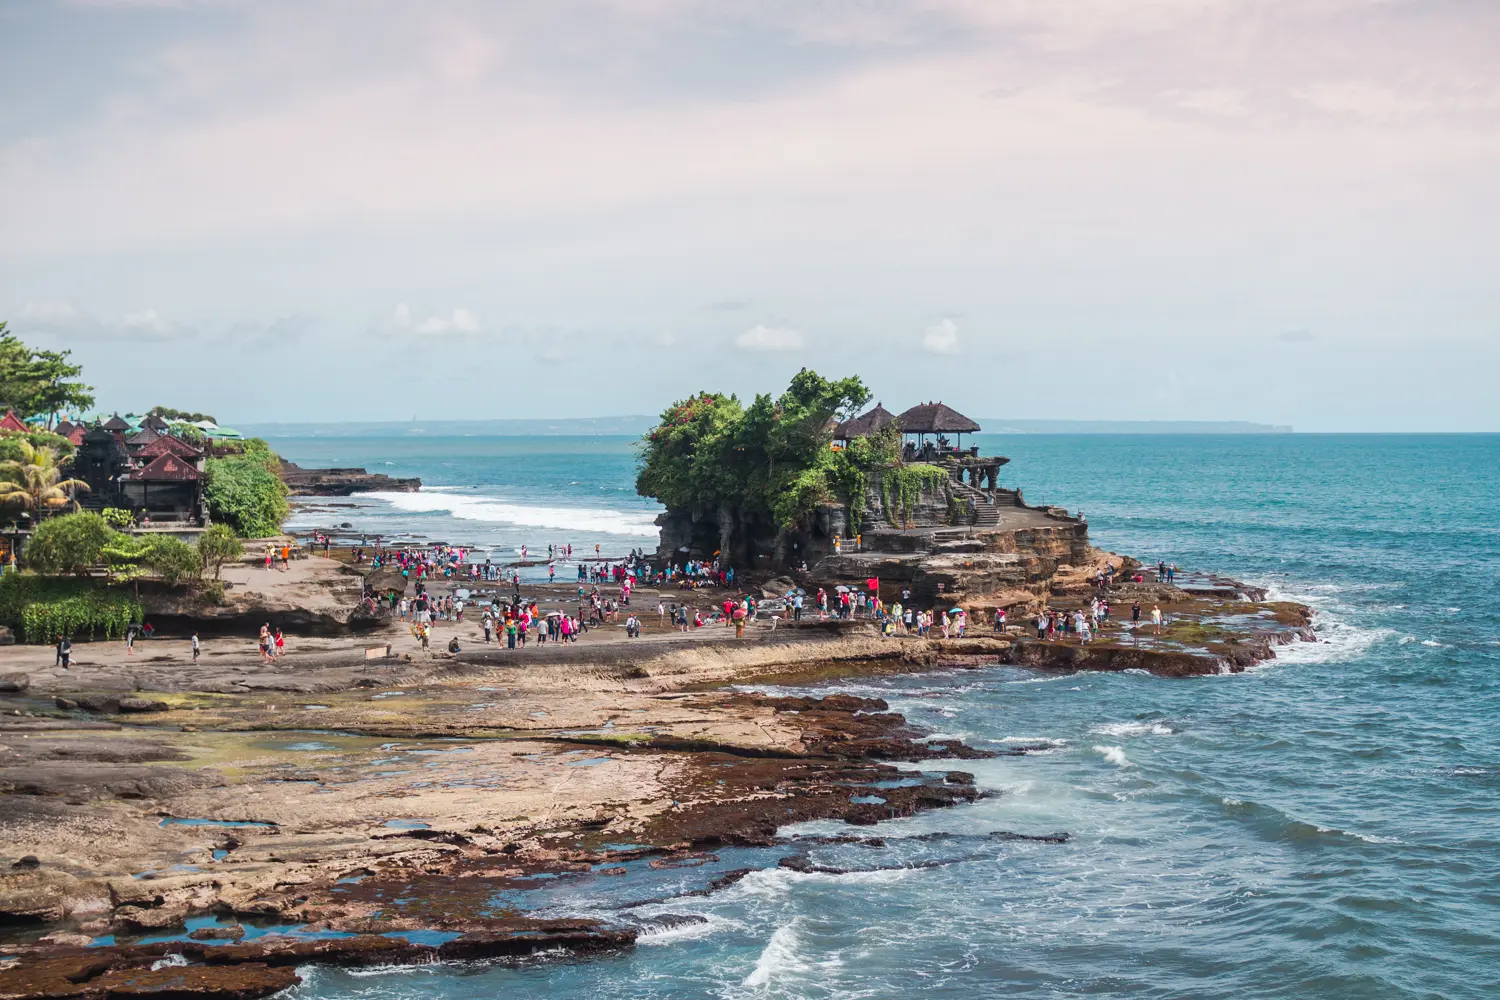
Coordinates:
(260, 816)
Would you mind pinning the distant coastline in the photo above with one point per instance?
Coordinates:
(636, 425)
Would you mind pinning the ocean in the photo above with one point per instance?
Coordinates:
(1326, 826)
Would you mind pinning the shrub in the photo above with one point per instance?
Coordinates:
(172, 559)
(68, 543)
(246, 493)
(40, 608)
(216, 546)
(118, 517)
(105, 613)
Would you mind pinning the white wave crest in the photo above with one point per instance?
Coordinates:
(1115, 755)
(1133, 729)
(782, 957)
(478, 508)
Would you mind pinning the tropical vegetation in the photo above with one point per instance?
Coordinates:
(771, 462)
(246, 492)
(34, 480)
(37, 383)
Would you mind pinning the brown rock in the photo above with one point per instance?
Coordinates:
(223, 932)
(209, 982)
(15, 682)
(142, 705)
(138, 918)
(102, 704)
(66, 939)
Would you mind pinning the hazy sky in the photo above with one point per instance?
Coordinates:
(1174, 209)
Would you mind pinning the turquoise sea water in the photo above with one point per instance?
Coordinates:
(1326, 826)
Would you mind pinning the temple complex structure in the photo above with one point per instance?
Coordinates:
(145, 469)
(938, 523)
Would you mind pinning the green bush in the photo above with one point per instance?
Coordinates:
(103, 614)
(68, 543)
(118, 517)
(246, 493)
(172, 559)
(216, 546)
(39, 608)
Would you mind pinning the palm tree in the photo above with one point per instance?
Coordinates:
(35, 480)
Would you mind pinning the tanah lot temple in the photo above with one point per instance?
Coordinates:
(939, 523)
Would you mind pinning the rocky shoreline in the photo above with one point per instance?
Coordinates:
(250, 818)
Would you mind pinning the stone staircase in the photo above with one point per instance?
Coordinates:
(983, 511)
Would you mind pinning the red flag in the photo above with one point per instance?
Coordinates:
(873, 583)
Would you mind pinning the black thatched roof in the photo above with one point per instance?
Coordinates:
(156, 423)
(144, 436)
(865, 424)
(935, 418)
(114, 423)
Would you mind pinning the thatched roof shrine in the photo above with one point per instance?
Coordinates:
(935, 418)
(865, 424)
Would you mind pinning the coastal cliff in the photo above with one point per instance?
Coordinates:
(341, 482)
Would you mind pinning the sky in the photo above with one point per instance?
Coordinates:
(1285, 211)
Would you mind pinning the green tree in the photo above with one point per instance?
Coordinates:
(34, 480)
(245, 492)
(168, 414)
(68, 543)
(768, 463)
(39, 383)
(217, 545)
(172, 559)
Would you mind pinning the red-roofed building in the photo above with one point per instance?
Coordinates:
(166, 488)
(11, 422)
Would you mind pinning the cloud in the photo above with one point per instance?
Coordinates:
(1297, 337)
(61, 318)
(279, 332)
(941, 337)
(58, 317)
(458, 321)
(729, 305)
(770, 338)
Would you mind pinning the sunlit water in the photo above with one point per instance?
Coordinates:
(1326, 826)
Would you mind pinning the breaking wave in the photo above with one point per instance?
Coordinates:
(469, 507)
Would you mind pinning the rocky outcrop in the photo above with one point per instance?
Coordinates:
(341, 482)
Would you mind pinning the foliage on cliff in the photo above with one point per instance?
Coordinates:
(769, 461)
(245, 492)
(76, 543)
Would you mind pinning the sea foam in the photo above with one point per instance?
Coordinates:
(468, 507)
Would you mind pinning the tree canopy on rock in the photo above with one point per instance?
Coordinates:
(770, 461)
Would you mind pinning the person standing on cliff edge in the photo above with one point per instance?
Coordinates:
(1156, 619)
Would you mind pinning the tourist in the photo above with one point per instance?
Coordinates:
(487, 622)
(1000, 620)
(265, 643)
(130, 640)
(64, 652)
(1156, 619)
(1041, 625)
(1135, 613)
(280, 642)
(196, 647)
(1081, 626)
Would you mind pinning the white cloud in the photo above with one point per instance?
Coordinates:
(941, 337)
(400, 319)
(458, 321)
(770, 338)
(54, 317)
(147, 322)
